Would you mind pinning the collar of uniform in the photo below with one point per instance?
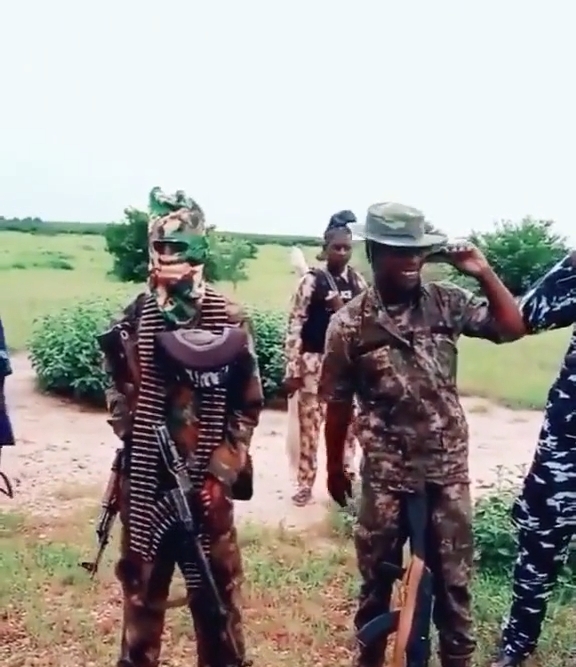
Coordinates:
(377, 303)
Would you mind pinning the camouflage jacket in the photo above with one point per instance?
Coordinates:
(549, 496)
(182, 410)
(401, 365)
(299, 306)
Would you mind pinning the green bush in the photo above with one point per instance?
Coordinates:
(67, 361)
(519, 252)
(64, 352)
(127, 242)
(269, 331)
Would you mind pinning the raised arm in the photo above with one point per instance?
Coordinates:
(551, 302)
(495, 316)
(473, 316)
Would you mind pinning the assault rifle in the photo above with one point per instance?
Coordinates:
(113, 344)
(108, 513)
(412, 621)
(181, 495)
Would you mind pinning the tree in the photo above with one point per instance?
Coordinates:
(231, 257)
(520, 252)
(127, 242)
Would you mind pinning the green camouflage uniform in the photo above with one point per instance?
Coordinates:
(143, 625)
(401, 364)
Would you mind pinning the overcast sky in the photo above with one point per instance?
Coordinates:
(273, 114)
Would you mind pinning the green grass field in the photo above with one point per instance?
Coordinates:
(41, 273)
(299, 600)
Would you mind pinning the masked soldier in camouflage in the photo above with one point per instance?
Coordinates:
(211, 434)
(545, 511)
(394, 347)
(320, 293)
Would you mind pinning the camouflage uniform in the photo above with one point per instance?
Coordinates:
(306, 365)
(143, 625)
(6, 433)
(545, 511)
(401, 364)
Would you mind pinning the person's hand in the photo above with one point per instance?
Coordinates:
(292, 385)
(339, 487)
(468, 260)
(216, 504)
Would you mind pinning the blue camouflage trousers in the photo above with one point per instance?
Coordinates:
(541, 557)
(545, 514)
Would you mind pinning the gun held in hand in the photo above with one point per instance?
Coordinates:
(108, 513)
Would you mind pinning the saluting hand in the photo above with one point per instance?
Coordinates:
(468, 259)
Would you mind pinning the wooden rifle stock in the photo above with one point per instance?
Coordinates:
(411, 622)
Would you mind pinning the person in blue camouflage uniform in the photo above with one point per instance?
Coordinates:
(545, 511)
(6, 434)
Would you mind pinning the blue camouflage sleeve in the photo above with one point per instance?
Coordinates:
(5, 367)
(551, 302)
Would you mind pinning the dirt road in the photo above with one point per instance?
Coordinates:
(64, 454)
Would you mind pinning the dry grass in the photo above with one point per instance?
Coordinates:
(299, 600)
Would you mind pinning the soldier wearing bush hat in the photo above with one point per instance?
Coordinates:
(182, 362)
(394, 349)
(320, 293)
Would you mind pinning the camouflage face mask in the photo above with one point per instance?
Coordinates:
(178, 249)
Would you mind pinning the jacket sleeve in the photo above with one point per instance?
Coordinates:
(472, 315)
(551, 302)
(296, 319)
(117, 400)
(230, 457)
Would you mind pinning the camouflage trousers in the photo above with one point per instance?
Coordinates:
(311, 413)
(142, 627)
(541, 556)
(380, 535)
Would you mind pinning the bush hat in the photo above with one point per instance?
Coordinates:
(397, 225)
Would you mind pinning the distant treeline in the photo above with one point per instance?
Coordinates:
(45, 228)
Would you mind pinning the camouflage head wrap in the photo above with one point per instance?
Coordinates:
(178, 248)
